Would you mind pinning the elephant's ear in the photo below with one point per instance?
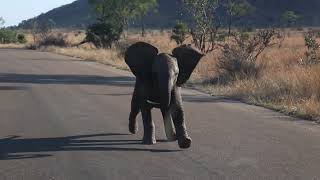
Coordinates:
(139, 57)
(188, 58)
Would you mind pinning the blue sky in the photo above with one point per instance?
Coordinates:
(14, 11)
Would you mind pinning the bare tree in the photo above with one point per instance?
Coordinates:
(240, 54)
(41, 30)
(313, 49)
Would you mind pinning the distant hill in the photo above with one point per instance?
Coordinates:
(78, 14)
(268, 11)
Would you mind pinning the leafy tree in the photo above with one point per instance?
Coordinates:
(1, 21)
(10, 36)
(236, 9)
(7, 36)
(121, 11)
(142, 8)
(102, 35)
(205, 26)
(111, 19)
(180, 32)
(107, 10)
(290, 18)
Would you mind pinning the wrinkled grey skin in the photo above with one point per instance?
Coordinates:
(159, 78)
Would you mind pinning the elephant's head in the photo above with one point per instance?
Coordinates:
(162, 72)
(165, 73)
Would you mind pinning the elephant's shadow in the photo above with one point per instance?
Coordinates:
(15, 147)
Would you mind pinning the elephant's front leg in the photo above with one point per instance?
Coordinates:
(168, 126)
(184, 139)
(135, 109)
(149, 136)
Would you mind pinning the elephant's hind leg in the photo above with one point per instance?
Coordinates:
(135, 109)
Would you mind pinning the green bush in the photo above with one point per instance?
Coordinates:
(180, 32)
(8, 36)
(21, 38)
(103, 35)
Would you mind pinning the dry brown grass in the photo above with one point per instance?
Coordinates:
(283, 84)
(104, 56)
(294, 90)
(11, 46)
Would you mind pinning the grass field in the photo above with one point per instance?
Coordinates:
(283, 83)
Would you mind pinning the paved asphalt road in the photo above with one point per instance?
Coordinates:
(65, 119)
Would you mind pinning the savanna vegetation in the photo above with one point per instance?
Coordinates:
(276, 66)
(8, 36)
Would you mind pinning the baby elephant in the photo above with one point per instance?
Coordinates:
(159, 78)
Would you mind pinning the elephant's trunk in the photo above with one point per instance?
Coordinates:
(165, 89)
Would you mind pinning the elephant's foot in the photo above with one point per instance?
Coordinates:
(184, 142)
(149, 141)
(133, 128)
